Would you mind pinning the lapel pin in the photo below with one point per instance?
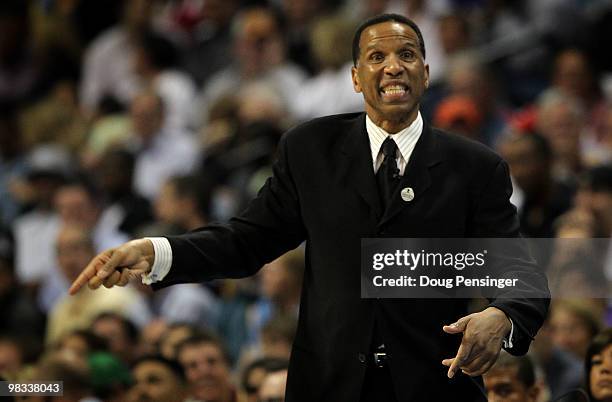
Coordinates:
(407, 194)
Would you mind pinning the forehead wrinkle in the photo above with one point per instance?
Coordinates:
(406, 42)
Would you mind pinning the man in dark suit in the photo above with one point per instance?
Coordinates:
(342, 178)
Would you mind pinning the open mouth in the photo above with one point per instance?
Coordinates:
(394, 92)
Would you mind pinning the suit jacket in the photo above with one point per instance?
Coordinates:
(323, 190)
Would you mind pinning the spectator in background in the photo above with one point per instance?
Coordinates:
(459, 115)
(207, 369)
(156, 65)
(78, 203)
(596, 198)
(120, 333)
(183, 203)
(254, 374)
(211, 40)
(12, 163)
(277, 337)
(173, 336)
(80, 343)
(511, 379)
(12, 356)
(561, 120)
(125, 211)
(598, 367)
(530, 159)
(300, 17)
(108, 62)
(17, 309)
(75, 248)
(259, 48)
(468, 77)
(35, 231)
(161, 151)
(55, 119)
(74, 374)
(574, 77)
(330, 90)
(157, 379)
(563, 372)
(110, 377)
(574, 323)
(20, 72)
(273, 386)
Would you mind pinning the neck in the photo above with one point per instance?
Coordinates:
(393, 125)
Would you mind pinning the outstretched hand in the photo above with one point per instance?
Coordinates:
(116, 266)
(483, 334)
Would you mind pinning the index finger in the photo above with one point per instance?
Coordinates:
(105, 259)
(462, 354)
(84, 277)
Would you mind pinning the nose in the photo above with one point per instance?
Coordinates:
(393, 66)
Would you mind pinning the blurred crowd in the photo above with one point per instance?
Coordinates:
(122, 119)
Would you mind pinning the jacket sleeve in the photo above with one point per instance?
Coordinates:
(495, 218)
(270, 226)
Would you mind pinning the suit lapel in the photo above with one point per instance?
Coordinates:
(416, 174)
(357, 167)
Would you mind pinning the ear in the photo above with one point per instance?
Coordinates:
(355, 78)
(426, 76)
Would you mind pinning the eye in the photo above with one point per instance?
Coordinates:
(376, 57)
(407, 54)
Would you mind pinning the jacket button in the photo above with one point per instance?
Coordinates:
(362, 357)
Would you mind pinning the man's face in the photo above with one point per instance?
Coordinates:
(391, 73)
(206, 371)
(503, 385)
(155, 382)
(600, 377)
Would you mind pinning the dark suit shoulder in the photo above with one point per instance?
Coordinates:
(322, 129)
(464, 150)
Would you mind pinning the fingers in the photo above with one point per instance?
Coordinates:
(89, 272)
(462, 357)
(110, 267)
(481, 365)
(458, 326)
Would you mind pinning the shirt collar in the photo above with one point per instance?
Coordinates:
(405, 139)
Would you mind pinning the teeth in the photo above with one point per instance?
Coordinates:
(394, 89)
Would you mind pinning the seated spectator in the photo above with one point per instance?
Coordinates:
(75, 249)
(260, 50)
(207, 368)
(80, 343)
(18, 311)
(530, 159)
(598, 365)
(173, 336)
(156, 61)
(459, 115)
(120, 333)
(511, 379)
(561, 120)
(161, 151)
(110, 377)
(11, 355)
(254, 374)
(277, 337)
(157, 379)
(125, 211)
(574, 323)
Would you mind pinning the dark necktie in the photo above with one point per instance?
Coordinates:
(387, 176)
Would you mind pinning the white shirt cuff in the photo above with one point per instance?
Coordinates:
(162, 261)
(507, 342)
